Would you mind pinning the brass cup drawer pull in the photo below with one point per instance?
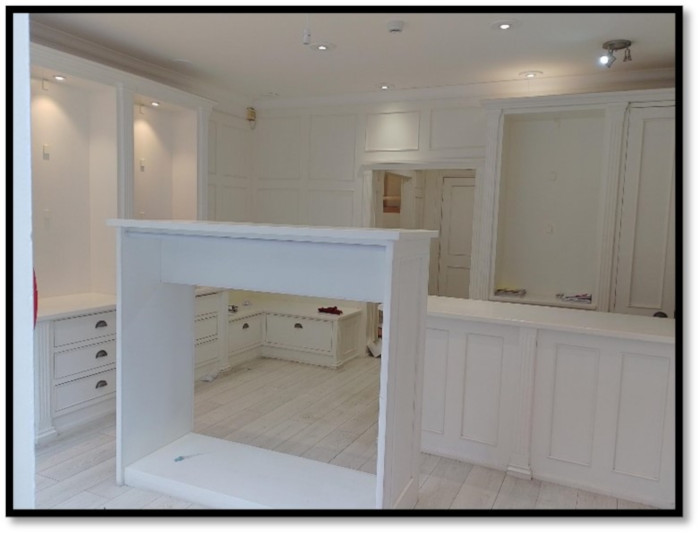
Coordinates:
(298, 325)
(101, 384)
(101, 324)
(101, 354)
(245, 326)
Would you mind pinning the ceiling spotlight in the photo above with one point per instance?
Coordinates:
(155, 104)
(59, 78)
(503, 25)
(385, 86)
(529, 74)
(608, 58)
(322, 47)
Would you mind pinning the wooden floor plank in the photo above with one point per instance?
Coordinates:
(556, 497)
(517, 494)
(594, 501)
(325, 414)
(443, 484)
(480, 489)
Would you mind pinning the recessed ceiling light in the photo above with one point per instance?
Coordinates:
(59, 78)
(530, 74)
(385, 86)
(155, 104)
(503, 25)
(322, 47)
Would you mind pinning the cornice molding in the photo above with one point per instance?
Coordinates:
(60, 41)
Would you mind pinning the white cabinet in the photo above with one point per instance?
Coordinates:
(209, 332)
(75, 368)
(307, 339)
(578, 199)
(295, 332)
(645, 281)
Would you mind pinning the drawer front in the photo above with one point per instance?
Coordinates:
(206, 327)
(206, 352)
(244, 333)
(85, 389)
(84, 328)
(206, 304)
(299, 332)
(83, 359)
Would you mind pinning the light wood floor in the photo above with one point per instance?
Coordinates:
(322, 414)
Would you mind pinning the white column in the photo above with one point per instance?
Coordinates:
(22, 260)
(519, 463)
(125, 152)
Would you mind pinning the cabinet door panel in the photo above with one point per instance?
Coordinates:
(645, 274)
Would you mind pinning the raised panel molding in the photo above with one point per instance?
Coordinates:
(435, 380)
(330, 208)
(482, 389)
(332, 147)
(392, 132)
(43, 387)
(573, 403)
(457, 128)
(232, 203)
(641, 415)
(277, 206)
(278, 144)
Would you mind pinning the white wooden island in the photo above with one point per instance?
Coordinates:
(160, 262)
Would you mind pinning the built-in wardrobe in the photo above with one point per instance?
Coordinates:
(577, 204)
(105, 145)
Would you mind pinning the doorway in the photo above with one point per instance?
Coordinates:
(432, 199)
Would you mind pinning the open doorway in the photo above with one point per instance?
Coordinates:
(432, 199)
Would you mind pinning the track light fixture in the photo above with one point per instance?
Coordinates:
(608, 58)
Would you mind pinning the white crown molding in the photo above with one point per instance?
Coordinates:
(598, 83)
(60, 41)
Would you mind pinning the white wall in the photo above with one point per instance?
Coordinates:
(60, 188)
(549, 203)
(305, 165)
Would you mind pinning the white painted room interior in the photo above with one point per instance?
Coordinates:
(311, 161)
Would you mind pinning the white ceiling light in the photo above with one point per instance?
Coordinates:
(385, 86)
(322, 47)
(529, 74)
(608, 58)
(503, 25)
(59, 78)
(155, 104)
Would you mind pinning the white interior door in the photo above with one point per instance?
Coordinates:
(645, 281)
(455, 237)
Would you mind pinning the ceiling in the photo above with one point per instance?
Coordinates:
(262, 55)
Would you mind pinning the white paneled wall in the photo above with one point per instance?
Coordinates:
(305, 165)
(230, 189)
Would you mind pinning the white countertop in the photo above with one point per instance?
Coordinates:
(284, 307)
(361, 236)
(577, 321)
(69, 305)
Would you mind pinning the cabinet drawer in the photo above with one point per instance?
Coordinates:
(83, 359)
(84, 328)
(244, 333)
(299, 332)
(85, 389)
(206, 304)
(206, 327)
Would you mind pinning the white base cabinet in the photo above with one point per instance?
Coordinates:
(75, 362)
(294, 332)
(580, 398)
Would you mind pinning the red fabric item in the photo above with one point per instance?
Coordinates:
(36, 297)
